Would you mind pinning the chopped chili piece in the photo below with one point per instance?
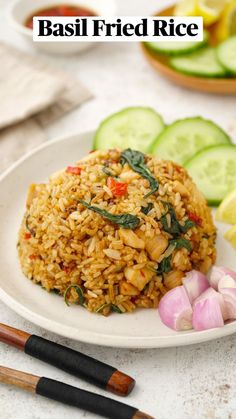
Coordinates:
(32, 257)
(27, 236)
(74, 170)
(117, 188)
(133, 300)
(142, 273)
(67, 269)
(195, 218)
(178, 169)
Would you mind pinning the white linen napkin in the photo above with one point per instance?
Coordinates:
(32, 95)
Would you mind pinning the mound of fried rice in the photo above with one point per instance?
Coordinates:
(63, 243)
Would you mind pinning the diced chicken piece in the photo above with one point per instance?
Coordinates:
(128, 289)
(128, 175)
(138, 277)
(131, 239)
(179, 187)
(156, 246)
(140, 234)
(113, 254)
(173, 279)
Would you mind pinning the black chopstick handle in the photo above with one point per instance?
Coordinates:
(94, 403)
(73, 362)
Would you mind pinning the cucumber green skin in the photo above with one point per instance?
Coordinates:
(220, 54)
(206, 74)
(175, 53)
(213, 203)
(162, 137)
(96, 141)
(202, 75)
(154, 47)
(200, 155)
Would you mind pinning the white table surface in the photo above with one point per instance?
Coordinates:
(192, 382)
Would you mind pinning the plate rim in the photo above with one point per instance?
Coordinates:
(125, 342)
(95, 338)
(41, 146)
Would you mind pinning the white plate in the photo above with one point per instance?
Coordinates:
(142, 329)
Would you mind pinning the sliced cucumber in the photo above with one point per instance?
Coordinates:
(136, 128)
(203, 63)
(226, 53)
(184, 138)
(177, 48)
(214, 171)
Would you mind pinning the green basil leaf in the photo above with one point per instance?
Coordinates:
(175, 227)
(180, 243)
(79, 291)
(113, 308)
(28, 227)
(136, 160)
(187, 225)
(128, 221)
(107, 171)
(132, 157)
(99, 309)
(147, 209)
(116, 309)
(56, 291)
(164, 266)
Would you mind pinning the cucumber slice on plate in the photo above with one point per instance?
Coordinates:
(203, 63)
(177, 48)
(136, 128)
(226, 53)
(184, 138)
(214, 171)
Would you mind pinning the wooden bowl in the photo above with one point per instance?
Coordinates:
(226, 86)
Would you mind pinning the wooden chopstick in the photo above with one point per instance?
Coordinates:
(70, 395)
(73, 362)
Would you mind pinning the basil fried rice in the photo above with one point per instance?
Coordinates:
(116, 231)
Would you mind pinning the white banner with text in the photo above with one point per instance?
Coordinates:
(117, 29)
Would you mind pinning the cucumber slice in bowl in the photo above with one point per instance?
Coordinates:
(203, 63)
(184, 138)
(135, 127)
(226, 53)
(177, 48)
(214, 171)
